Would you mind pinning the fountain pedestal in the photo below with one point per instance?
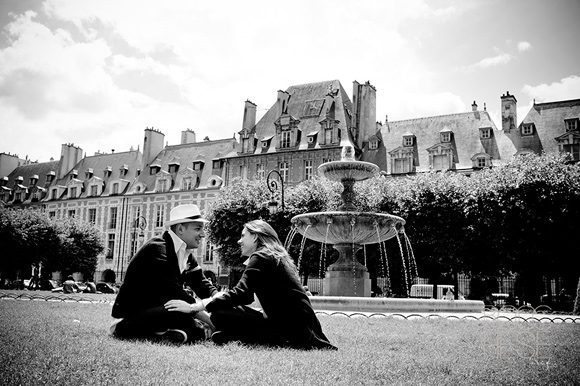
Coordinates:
(346, 277)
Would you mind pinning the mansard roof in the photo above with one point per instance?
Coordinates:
(27, 171)
(186, 155)
(549, 119)
(466, 136)
(299, 96)
(101, 161)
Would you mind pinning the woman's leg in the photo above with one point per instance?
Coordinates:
(243, 324)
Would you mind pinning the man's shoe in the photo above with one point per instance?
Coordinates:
(173, 336)
(220, 337)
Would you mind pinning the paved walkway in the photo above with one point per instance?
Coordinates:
(512, 316)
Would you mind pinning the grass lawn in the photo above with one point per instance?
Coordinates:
(60, 343)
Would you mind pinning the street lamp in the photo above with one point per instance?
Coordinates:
(273, 187)
(139, 223)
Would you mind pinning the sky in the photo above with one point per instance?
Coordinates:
(98, 73)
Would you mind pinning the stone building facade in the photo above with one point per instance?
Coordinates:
(129, 195)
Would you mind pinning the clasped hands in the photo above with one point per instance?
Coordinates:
(190, 308)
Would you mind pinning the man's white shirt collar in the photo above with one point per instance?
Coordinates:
(180, 250)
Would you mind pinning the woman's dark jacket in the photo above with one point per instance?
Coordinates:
(283, 299)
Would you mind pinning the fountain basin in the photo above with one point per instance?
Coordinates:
(348, 227)
(388, 305)
(348, 170)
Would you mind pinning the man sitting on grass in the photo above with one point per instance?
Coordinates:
(156, 275)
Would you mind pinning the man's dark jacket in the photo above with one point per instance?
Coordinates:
(153, 278)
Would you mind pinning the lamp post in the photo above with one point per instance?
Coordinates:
(139, 223)
(273, 187)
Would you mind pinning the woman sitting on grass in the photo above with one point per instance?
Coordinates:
(287, 318)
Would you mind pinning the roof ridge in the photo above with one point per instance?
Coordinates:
(313, 83)
(111, 154)
(210, 142)
(437, 116)
(564, 102)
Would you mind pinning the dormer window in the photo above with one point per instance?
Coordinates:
(173, 167)
(50, 177)
(245, 145)
(74, 174)
(108, 171)
(115, 188)
(310, 139)
(162, 185)
(216, 164)
(373, 144)
(187, 183)
(33, 180)
(123, 170)
(481, 161)
(264, 144)
(485, 132)
(94, 189)
(408, 140)
(72, 192)
(89, 173)
(528, 128)
(572, 124)
(197, 165)
(154, 169)
(445, 136)
(19, 180)
(285, 139)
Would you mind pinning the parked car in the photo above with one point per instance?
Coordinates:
(106, 288)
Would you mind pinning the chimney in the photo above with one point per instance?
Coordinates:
(250, 114)
(282, 102)
(152, 145)
(365, 112)
(187, 136)
(508, 112)
(70, 155)
(474, 106)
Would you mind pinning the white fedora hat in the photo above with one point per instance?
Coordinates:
(183, 214)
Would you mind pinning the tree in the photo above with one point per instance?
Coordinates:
(521, 218)
(80, 244)
(28, 237)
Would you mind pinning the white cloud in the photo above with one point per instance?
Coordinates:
(182, 64)
(524, 46)
(566, 88)
(493, 61)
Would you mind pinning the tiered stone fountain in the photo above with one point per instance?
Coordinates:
(347, 230)
(347, 286)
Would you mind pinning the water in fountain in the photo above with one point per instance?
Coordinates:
(348, 230)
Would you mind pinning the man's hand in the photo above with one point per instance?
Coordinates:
(183, 306)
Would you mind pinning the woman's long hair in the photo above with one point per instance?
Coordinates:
(267, 238)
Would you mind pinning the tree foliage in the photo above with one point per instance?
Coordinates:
(28, 237)
(520, 217)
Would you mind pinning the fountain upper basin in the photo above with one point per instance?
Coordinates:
(350, 170)
(348, 227)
